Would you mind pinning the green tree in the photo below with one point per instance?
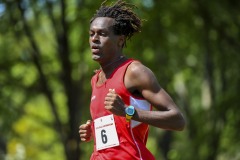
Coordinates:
(49, 63)
(45, 71)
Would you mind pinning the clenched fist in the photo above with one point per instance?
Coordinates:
(114, 103)
(85, 131)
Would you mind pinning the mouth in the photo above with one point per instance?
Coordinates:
(95, 49)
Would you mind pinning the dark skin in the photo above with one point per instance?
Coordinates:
(106, 49)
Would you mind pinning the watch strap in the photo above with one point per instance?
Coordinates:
(130, 110)
(128, 118)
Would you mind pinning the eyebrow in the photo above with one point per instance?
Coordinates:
(99, 30)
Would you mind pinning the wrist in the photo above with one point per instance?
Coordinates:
(129, 112)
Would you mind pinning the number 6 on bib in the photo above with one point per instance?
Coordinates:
(105, 132)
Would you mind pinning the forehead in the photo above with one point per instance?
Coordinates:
(102, 23)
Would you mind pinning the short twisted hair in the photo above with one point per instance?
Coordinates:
(126, 21)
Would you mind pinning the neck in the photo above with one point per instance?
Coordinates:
(108, 69)
(112, 63)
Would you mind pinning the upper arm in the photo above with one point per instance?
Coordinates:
(140, 78)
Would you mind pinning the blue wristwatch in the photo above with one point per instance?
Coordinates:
(130, 110)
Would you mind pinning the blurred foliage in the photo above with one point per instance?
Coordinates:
(45, 71)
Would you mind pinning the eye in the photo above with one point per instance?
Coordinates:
(91, 34)
(104, 34)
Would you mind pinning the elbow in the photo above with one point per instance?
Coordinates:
(180, 123)
(177, 121)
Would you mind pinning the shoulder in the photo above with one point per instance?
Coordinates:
(136, 70)
(139, 76)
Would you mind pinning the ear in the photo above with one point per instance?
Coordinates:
(121, 41)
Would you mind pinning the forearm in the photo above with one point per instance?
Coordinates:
(170, 120)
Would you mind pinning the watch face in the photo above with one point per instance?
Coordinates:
(130, 110)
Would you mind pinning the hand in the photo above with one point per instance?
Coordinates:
(114, 103)
(85, 131)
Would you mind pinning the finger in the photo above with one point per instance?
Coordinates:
(108, 102)
(112, 91)
(109, 98)
(82, 131)
(85, 139)
(89, 122)
(109, 94)
(108, 107)
(85, 135)
(84, 126)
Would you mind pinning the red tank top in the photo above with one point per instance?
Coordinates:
(132, 136)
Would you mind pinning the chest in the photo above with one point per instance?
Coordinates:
(99, 92)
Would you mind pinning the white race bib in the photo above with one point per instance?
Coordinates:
(105, 132)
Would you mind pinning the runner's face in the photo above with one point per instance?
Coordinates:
(103, 42)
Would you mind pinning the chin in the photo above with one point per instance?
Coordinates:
(95, 57)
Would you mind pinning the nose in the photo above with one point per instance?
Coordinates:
(95, 37)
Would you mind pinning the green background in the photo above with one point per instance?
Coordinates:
(45, 71)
